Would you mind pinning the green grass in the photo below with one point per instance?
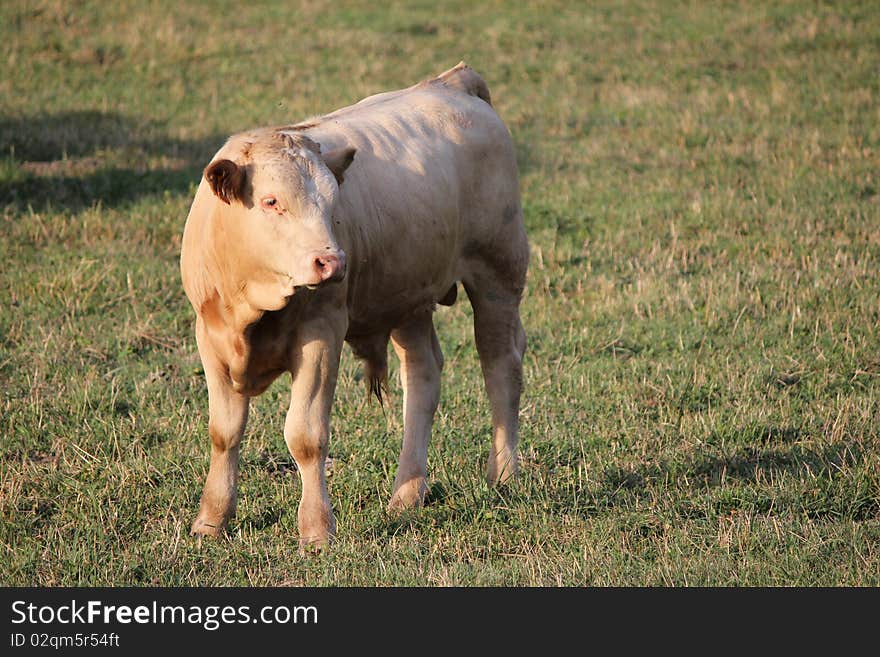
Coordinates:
(700, 183)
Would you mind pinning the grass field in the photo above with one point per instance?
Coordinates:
(700, 184)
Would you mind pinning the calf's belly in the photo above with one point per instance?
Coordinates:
(410, 276)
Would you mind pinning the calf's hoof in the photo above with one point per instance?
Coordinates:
(208, 527)
(314, 544)
(501, 467)
(316, 531)
(408, 495)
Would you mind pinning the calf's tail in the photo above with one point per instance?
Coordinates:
(465, 79)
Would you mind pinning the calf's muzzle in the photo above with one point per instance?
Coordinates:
(330, 266)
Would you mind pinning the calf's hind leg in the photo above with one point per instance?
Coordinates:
(421, 363)
(501, 344)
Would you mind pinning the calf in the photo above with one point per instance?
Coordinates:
(351, 227)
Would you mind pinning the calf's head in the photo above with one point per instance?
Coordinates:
(276, 198)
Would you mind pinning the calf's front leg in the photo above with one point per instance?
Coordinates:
(227, 411)
(307, 426)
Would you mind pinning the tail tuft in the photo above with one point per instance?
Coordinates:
(377, 383)
(373, 351)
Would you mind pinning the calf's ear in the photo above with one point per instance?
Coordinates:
(338, 160)
(226, 179)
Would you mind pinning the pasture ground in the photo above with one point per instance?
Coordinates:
(700, 184)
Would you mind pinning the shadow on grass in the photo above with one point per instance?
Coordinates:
(833, 480)
(74, 160)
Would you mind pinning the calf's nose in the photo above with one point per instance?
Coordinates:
(330, 266)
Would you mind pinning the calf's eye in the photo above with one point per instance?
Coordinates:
(269, 202)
